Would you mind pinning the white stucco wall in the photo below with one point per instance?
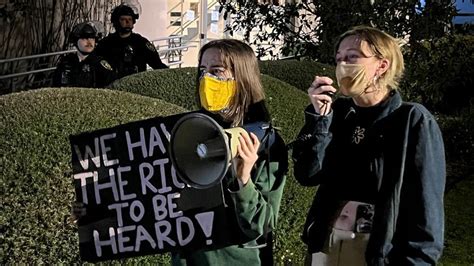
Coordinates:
(153, 19)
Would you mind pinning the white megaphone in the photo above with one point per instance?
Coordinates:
(202, 151)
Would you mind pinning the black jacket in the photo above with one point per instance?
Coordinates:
(405, 154)
(92, 72)
(129, 55)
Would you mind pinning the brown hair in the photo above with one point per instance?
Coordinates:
(240, 59)
(383, 46)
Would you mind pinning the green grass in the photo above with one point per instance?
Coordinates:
(459, 233)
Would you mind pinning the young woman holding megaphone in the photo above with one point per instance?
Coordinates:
(230, 92)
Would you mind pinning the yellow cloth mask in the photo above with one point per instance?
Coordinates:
(215, 94)
(351, 79)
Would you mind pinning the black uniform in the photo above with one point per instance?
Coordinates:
(129, 55)
(92, 72)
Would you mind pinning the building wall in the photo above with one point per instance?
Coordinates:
(152, 21)
(160, 18)
(189, 25)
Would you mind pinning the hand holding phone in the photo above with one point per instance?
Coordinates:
(321, 94)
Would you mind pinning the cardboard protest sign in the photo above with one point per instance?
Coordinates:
(135, 202)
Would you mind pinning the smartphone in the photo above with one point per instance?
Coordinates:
(364, 218)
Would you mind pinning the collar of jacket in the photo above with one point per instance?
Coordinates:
(393, 102)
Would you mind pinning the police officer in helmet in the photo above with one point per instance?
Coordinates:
(123, 18)
(83, 68)
(128, 52)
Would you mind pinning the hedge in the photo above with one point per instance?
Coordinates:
(300, 74)
(176, 86)
(36, 176)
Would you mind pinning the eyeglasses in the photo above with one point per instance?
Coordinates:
(218, 73)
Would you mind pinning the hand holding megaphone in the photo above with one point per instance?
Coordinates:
(246, 155)
(202, 151)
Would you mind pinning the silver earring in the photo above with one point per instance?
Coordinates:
(376, 83)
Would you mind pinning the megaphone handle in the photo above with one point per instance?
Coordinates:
(222, 195)
(265, 142)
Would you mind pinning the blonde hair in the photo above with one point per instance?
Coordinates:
(383, 46)
(240, 59)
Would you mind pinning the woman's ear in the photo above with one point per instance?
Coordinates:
(383, 67)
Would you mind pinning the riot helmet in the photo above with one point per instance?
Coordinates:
(83, 30)
(122, 10)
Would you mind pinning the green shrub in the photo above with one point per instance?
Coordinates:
(36, 182)
(440, 75)
(176, 86)
(286, 105)
(297, 73)
(458, 136)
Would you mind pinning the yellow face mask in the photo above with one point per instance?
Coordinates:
(216, 94)
(351, 79)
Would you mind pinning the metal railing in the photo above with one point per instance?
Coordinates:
(172, 50)
(30, 57)
(187, 24)
(35, 71)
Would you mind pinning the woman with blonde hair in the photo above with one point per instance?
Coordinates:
(379, 162)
